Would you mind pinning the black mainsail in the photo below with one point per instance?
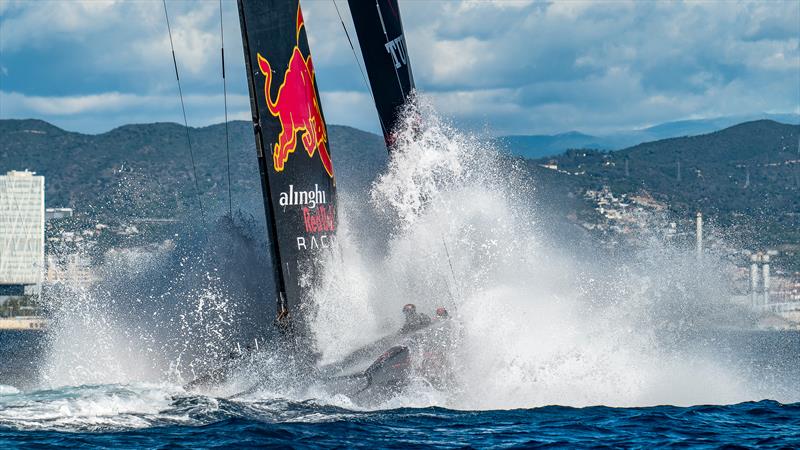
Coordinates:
(292, 146)
(383, 47)
(299, 188)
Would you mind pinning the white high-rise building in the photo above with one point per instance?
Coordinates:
(21, 232)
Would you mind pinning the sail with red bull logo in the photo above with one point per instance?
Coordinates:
(383, 47)
(292, 146)
(300, 196)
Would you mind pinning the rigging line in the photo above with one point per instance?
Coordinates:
(355, 56)
(185, 122)
(456, 284)
(225, 97)
(450, 262)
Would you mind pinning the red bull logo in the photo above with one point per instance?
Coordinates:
(297, 107)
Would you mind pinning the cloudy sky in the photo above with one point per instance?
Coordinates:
(509, 67)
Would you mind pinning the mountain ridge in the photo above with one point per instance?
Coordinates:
(144, 170)
(746, 176)
(541, 145)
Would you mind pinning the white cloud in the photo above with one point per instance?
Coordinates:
(195, 36)
(519, 66)
(27, 23)
(594, 66)
(117, 108)
(15, 103)
(351, 108)
(126, 37)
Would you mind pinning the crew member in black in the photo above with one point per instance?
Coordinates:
(414, 320)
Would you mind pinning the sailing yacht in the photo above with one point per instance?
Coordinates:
(299, 184)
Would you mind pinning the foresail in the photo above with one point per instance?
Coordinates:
(383, 47)
(292, 146)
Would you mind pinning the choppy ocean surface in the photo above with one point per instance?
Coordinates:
(165, 416)
(197, 422)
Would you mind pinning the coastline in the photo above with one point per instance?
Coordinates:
(23, 323)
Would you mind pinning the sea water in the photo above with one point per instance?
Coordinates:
(557, 342)
(147, 416)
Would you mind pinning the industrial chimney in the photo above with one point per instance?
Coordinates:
(765, 276)
(699, 235)
(754, 280)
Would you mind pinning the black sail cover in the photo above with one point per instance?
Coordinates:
(383, 47)
(292, 146)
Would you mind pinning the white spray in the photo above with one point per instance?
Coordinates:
(538, 325)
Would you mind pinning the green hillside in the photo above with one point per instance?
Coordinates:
(746, 176)
(145, 170)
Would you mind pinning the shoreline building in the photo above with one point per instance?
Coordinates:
(74, 269)
(21, 234)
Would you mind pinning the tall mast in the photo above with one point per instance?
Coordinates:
(297, 180)
(383, 47)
